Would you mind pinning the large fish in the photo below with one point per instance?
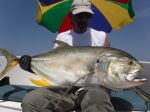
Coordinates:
(82, 66)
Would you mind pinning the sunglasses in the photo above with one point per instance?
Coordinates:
(83, 15)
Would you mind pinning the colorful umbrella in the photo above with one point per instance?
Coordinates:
(108, 14)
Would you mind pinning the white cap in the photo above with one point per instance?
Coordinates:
(79, 6)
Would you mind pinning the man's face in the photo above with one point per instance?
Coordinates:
(80, 21)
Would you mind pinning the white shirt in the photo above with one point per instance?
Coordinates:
(91, 37)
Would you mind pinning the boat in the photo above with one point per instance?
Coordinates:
(16, 84)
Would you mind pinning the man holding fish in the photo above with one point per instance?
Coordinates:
(96, 99)
(77, 78)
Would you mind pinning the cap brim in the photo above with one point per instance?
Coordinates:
(80, 10)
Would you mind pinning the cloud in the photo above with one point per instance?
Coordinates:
(143, 13)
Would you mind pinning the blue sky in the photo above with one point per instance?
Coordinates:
(20, 33)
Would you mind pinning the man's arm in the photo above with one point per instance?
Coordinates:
(60, 37)
(25, 63)
(107, 41)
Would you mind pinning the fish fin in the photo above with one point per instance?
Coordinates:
(12, 61)
(43, 82)
(61, 43)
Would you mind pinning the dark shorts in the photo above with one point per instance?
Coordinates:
(45, 99)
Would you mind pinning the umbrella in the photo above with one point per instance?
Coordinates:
(108, 14)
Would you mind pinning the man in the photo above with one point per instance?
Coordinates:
(96, 99)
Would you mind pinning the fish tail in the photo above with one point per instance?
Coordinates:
(12, 61)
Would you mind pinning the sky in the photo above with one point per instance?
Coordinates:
(20, 34)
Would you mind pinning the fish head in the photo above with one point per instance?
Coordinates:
(119, 70)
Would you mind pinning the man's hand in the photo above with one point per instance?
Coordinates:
(25, 63)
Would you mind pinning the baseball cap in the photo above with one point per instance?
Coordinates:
(79, 6)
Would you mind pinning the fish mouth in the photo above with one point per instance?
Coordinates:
(132, 77)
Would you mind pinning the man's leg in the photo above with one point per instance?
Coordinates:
(96, 99)
(45, 99)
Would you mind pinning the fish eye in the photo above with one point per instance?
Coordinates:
(97, 61)
(130, 62)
